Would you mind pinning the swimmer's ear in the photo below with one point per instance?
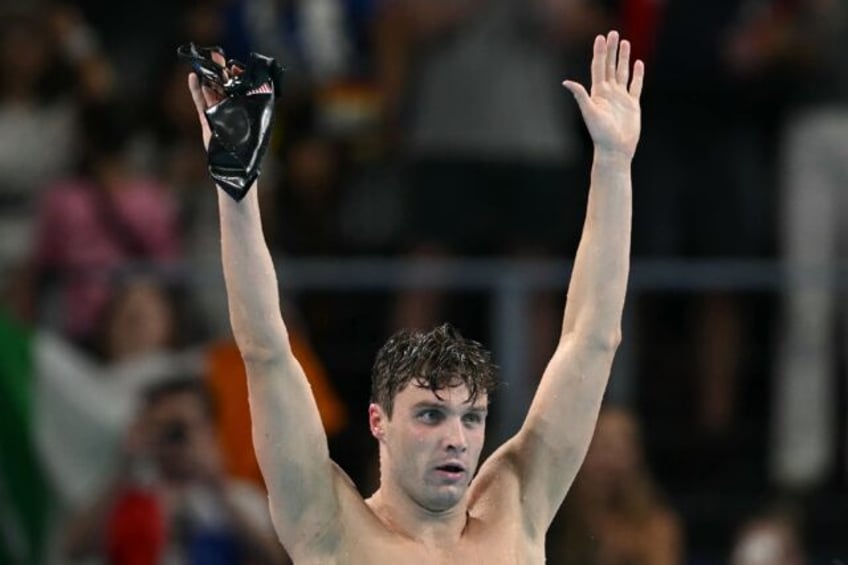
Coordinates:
(376, 418)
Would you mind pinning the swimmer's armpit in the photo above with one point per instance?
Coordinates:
(241, 122)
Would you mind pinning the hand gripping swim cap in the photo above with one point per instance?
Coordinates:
(241, 122)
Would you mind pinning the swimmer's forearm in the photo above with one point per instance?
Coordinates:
(599, 279)
(290, 443)
(252, 290)
(561, 420)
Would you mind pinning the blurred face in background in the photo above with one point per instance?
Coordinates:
(616, 451)
(768, 542)
(141, 321)
(182, 435)
(203, 23)
(24, 53)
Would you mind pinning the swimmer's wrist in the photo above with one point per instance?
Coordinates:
(612, 158)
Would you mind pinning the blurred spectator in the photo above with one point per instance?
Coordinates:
(326, 47)
(62, 412)
(474, 88)
(172, 501)
(84, 403)
(168, 149)
(49, 65)
(69, 410)
(708, 197)
(140, 319)
(169, 143)
(103, 220)
(771, 538)
(472, 94)
(134, 35)
(614, 513)
(307, 204)
(813, 41)
(145, 333)
(317, 41)
(328, 120)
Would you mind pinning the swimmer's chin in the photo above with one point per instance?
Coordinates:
(448, 498)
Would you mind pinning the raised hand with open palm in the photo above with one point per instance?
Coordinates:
(611, 111)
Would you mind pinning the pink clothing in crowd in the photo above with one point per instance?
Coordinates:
(84, 232)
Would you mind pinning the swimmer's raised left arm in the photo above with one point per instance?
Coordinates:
(550, 447)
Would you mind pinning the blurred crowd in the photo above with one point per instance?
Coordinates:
(419, 129)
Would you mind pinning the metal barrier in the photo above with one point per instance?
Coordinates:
(511, 283)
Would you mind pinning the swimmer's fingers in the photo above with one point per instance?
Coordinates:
(599, 57)
(201, 100)
(611, 51)
(622, 72)
(580, 95)
(638, 79)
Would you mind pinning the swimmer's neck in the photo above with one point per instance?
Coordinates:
(401, 514)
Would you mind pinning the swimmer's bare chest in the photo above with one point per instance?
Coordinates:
(494, 535)
(496, 530)
(502, 545)
(494, 555)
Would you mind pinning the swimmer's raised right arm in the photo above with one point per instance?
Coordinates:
(288, 436)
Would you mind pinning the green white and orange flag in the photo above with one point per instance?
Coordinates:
(23, 492)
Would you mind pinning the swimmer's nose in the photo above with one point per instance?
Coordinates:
(455, 439)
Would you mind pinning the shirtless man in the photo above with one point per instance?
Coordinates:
(427, 508)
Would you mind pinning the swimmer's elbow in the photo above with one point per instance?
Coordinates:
(606, 340)
(265, 353)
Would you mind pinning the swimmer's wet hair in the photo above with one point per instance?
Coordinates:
(437, 360)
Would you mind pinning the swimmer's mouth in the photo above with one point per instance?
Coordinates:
(452, 468)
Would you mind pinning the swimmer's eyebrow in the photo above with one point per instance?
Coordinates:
(428, 404)
(441, 406)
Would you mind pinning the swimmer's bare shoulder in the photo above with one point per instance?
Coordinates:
(496, 532)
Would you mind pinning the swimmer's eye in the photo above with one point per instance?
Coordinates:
(473, 418)
(430, 416)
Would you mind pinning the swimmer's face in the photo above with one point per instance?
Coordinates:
(431, 445)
